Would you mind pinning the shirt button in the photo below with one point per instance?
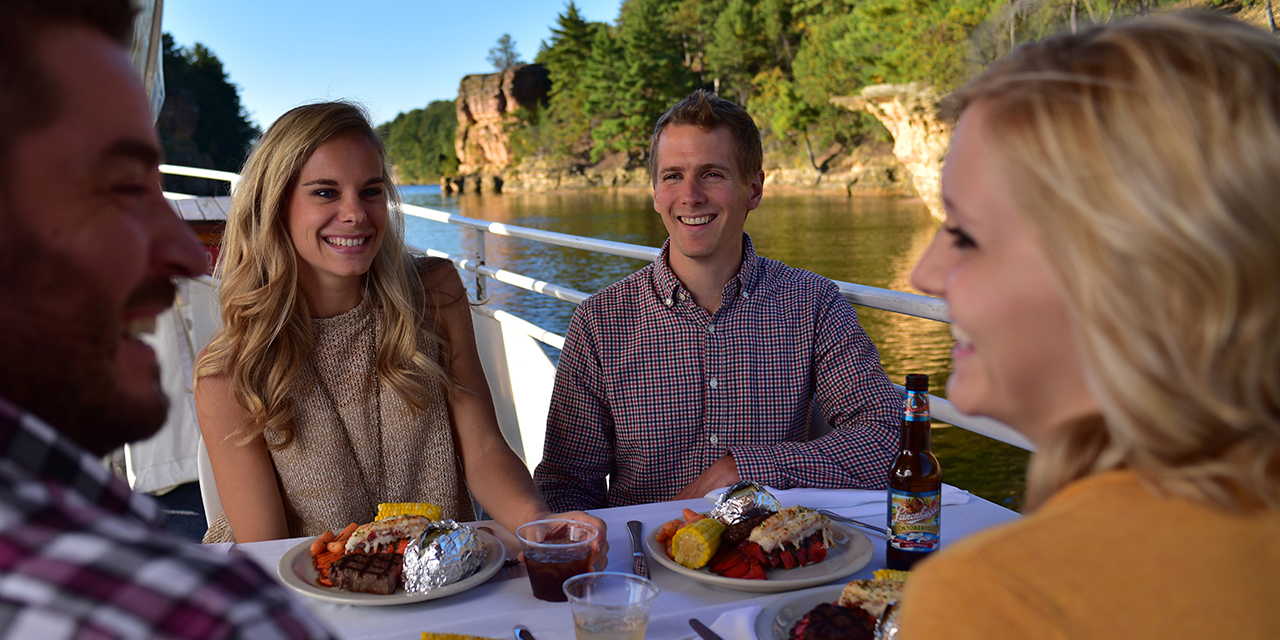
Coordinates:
(714, 383)
(711, 328)
(714, 439)
(683, 296)
(745, 294)
(667, 301)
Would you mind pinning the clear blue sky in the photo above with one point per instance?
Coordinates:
(390, 55)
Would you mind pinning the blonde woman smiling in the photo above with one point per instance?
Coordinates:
(1111, 265)
(346, 372)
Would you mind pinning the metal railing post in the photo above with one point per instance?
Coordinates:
(482, 293)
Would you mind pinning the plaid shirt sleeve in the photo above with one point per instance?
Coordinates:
(82, 556)
(857, 399)
(578, 453)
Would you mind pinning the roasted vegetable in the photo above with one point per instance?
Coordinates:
(424, 509)
(694, 544)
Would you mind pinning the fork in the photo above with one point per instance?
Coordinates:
(880, 531)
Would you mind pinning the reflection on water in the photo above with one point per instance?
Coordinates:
(873, 241)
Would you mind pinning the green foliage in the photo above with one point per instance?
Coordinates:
(202, 122)
(634, 75)
(781, 59)
(563, 128)
(420, 142)
(503, 55)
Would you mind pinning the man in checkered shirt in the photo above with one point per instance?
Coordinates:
(703, 368)
(87, 256)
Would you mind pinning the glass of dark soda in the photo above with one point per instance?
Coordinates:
(554, 551)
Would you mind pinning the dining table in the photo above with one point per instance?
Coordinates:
(492, 609)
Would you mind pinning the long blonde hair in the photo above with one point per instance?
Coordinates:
(266, 333)
(1146, 154)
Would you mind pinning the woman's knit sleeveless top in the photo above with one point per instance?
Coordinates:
(411, 457)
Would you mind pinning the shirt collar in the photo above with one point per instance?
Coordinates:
(668, 287)
(32, 445)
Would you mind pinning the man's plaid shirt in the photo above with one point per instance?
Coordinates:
(83, 556)
(651, 389)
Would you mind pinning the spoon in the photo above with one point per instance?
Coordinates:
(521, 632)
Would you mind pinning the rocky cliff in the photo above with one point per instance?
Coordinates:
(486, 107)
(920, 134)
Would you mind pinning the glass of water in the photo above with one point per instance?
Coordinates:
(608, 605)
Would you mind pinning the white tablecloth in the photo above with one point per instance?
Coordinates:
(492, 609)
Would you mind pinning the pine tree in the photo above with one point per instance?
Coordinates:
(503, 55)
(650, 76)
(565, 126)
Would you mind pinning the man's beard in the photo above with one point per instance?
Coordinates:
(58, 340)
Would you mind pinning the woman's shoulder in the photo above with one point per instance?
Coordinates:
(428, 264)
(441, 281)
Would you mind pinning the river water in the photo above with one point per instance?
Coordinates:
(867, 240)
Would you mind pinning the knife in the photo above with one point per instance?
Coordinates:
(638, 564)
(703, 630)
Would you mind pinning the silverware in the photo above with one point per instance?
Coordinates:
(521, 632)
(703, 630)
(639, 565)
(880, 531)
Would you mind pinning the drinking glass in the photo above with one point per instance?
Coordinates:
(554, 551)
(608, 605)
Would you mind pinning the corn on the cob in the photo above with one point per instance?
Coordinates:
(890, 574)
(424, 509)
(694, 544)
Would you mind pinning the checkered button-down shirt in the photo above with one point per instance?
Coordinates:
(652, 389)
(82, 556)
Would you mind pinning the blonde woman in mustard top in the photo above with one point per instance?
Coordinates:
(1111, 265)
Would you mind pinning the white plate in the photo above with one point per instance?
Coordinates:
(298, 573)
(851, 552)
(775, 621)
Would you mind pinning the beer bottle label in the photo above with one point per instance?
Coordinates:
(915, 520)
(916, 407)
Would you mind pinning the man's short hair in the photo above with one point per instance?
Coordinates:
(708, 111)
(28, 99)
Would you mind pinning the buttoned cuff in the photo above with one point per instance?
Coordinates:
(759, 463)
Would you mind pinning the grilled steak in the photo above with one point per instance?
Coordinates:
(833, 622)
(734, 534)
(367, 572)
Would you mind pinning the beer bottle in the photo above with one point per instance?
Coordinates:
(915, 484)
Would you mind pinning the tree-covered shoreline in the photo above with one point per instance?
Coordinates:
(781, 59)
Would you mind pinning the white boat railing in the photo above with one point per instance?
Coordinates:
(475, 263)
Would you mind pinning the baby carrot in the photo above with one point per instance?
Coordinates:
(320, 544)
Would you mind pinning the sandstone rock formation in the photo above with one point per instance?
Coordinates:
(921, 135)
(542, 174)
(863, 170)
(486, 107)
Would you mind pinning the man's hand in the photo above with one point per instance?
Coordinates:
(721, 473)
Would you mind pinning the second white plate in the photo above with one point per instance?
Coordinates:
(775, 621)
(852, 551)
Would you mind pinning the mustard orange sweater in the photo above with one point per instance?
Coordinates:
(1105, 558)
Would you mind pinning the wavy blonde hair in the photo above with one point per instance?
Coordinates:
(266, 333)
(1146, 155)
